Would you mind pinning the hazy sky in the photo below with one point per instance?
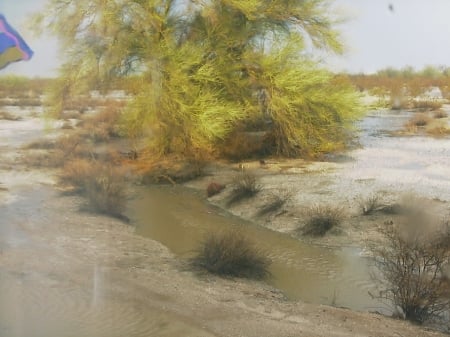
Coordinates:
(414, 32)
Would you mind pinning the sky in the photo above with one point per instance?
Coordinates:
(377, 34)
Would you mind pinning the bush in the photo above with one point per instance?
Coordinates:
(105, 191)
(427, 104)
(275, 203)
(101, 184)
(245, 185)
(321, 219)
(76, 173)
(411, 268)
(231, 254)
(420, 120)
(370, 204)
(440, 114)
(439, 131)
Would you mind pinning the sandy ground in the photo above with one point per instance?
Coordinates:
(68, 273)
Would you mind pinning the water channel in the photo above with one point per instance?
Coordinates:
(179, 217)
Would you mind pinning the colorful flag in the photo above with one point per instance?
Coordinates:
(12, 47)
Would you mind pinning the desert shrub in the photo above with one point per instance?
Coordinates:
(321, 219)
(102, 126)
(169, 169)
(40, 144)
(77, 173)
(231, 254)
(410, 272)
(440, 114)
(242, 145)
(276, 202)
(427, 104)
(439, 131)
(214, 188)
(245, 185)
(9, 116)
(101, 184)
(420, 120)
(105, 191)
(370, 204)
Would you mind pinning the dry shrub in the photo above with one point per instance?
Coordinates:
(440, 114)
(75, 145)
(214, 188)
(231, 254)
(439, 131)
(427, 104)
(420, 120)
(102, 185)
(321, 219)
(411, 271)
(105, 191)
(76, 173)
(370, 204)
(276, 202)
(242, 145)
(168, 169)
(102, 126)
(41, 144)
(245, 185)
(9, 116)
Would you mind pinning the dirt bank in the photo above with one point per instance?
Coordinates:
(64, 272)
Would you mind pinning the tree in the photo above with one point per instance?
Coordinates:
(206, 66)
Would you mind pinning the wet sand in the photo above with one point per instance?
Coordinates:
(69, 273)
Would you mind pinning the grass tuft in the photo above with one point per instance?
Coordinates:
(321, 219)
(370, 205)
(245, 185)
(231, 254)
(275, 203)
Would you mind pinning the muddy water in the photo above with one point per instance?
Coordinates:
(179, 218)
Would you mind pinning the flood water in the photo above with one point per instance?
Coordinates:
(34, 303)
(179, 218)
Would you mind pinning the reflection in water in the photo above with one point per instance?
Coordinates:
(179, 218)
(35, 306)
(79, 299)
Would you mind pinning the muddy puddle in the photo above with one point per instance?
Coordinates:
(179, 218)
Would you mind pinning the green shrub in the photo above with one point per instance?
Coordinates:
(231, 254)
(321, 219)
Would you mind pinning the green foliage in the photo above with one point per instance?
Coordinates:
(200, 69)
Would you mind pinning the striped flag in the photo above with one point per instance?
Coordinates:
(12, 47)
